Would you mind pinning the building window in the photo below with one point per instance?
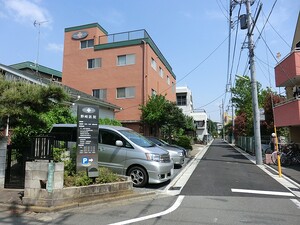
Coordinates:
(153, 92)
(123, 60)
(100, 93)
(128, 92)
(173, 87)
(87, 44)
(161, 72)
(181, 99)
(153, 64)
(168, 80)
(200, 123)
(93, 63)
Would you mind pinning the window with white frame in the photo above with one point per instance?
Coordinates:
(173, 87)
(87, 44)
(168, 80)
(161, 72)
(123, 60)
(100, 93)
(153, 64)
(126, 92)
(93, 63)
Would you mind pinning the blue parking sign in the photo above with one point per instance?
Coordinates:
(85, 160)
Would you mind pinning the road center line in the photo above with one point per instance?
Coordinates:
(169, 210)
(279, 193)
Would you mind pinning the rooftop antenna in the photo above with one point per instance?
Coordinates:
(38, 25)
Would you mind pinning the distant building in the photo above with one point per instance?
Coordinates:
(185, 102)
(287, 75)
(123, 68)
(38, 70)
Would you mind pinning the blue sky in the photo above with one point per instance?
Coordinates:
(191, 34)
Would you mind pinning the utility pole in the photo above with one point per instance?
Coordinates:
(256, 114)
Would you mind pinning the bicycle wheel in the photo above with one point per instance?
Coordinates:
(285, 160)
(274, 157)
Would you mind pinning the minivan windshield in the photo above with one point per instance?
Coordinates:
(137, 138)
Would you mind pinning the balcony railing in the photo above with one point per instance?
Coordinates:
(124, 36)
(117, 38)
(287, 71)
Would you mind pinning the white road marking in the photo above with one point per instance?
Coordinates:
(279, 193)
(297, 203)
(169, 210)
(290, 184)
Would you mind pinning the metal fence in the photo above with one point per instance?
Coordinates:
(42, 147)
(248, 144)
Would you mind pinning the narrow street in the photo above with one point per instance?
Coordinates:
(224, 188)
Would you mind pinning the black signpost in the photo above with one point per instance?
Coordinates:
(87, 139)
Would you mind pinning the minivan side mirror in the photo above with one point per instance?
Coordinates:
(119, 143)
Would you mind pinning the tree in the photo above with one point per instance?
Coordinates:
(165, 116)
(271, 98)
(242, 101)
(31, 108)
(154, 112)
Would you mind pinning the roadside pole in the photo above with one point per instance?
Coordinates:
(256, 114)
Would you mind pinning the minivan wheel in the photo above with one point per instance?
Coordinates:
(138, 176)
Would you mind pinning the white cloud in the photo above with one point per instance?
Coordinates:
(25, 11)
(55, 47)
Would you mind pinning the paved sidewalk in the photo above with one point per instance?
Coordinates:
(12, 198)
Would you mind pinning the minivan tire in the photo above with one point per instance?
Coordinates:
(138, 176)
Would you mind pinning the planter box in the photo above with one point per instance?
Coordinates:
(70, 196)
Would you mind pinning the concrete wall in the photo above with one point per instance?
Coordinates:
(39, 193)
(3, 150)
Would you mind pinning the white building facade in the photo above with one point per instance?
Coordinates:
(185, 102)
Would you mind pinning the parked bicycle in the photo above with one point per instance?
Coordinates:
(289, 154)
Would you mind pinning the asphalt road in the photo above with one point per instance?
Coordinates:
(222, 187)
(222, 169)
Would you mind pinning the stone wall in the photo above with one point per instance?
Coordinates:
(39, 193)
(75, 195)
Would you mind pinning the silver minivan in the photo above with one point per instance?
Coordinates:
(126, 152)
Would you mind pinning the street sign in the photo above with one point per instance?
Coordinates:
(87, 139)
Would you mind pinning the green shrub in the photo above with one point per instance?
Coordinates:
(81, 178)
(184, 141)
(106, 176)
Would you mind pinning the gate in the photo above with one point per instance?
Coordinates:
(41, 149)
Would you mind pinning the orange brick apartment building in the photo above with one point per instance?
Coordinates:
(123, 69)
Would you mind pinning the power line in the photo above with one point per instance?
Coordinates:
(195, 68)
(211, 101)
(278, 34)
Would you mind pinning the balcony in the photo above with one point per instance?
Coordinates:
(287, 71)
(287, 113)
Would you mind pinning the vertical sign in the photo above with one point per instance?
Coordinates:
(87, 139)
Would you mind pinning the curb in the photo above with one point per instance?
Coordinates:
(105, 200)
(252, 159)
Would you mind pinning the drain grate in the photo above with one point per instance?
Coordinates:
(174, 188)
(294, 189)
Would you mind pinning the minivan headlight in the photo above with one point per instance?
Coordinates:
(180, 153)
(153, 157)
